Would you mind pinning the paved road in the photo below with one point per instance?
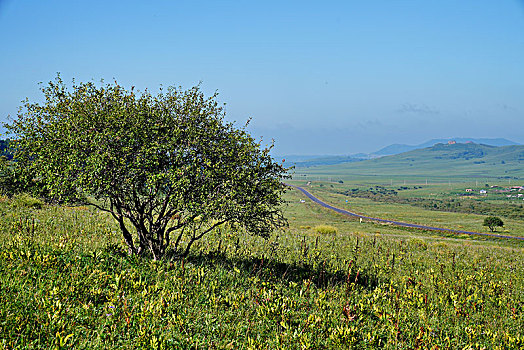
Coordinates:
(397, 223)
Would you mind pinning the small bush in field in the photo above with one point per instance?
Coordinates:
(441, 245)
(325, 229)
(419, 243)
(26, 201)
(492, 222)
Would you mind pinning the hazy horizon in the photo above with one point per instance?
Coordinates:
(338, 77)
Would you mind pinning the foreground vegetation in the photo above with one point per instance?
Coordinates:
(66, 282)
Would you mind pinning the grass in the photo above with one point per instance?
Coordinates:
(325, 230)
(443, 161)
(65, 281)
(26, 201)
(409, 213)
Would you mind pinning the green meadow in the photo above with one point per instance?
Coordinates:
(441, 162)
(326, 281)
(456, 217)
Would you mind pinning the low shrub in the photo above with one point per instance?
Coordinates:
(325, 230)
(24, 200)
(440, 245)
(418, 243)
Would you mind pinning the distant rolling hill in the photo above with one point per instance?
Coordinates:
(306, 161)
(461, 159)
(401, 148)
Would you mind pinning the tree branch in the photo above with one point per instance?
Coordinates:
(196, 238)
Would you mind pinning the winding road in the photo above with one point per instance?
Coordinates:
(398, 223)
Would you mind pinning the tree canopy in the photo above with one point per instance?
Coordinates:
(163, 165)
(493, 222)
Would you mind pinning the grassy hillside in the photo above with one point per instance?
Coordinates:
(65, 282)
(400, 148)
(440, 160)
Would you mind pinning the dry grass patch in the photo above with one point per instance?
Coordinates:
(325, 230)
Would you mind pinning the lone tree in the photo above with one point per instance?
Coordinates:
(167, 167)
(493, 222)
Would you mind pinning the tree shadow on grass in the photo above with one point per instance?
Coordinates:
(267, 268)
(270, 269)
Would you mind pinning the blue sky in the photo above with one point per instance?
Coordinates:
(330, 77)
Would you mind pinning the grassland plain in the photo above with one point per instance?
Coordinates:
(506, 202)
(66, 282)
(333, 194)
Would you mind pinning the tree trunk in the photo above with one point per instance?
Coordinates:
(127, 237)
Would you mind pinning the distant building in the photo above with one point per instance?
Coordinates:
(483, 191)
(469, 190)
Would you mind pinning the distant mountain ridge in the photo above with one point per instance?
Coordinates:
(401, 148)
(304, 161)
